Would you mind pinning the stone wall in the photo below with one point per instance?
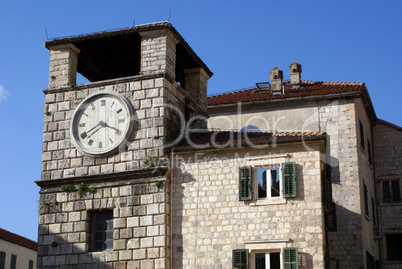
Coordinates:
(139, 225)
(61, 159)
(209, 221)
(388, 160)
(336, 117)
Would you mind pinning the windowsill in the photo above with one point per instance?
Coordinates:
(393, 262)
(391, 204)
(269, 201)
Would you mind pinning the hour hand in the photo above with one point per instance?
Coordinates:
(111, 127)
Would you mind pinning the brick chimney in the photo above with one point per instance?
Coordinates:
(295, 71)
(276, 76)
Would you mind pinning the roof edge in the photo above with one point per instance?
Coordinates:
(130, 30)
(18, 239)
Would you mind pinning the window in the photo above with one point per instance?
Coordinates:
(394, 252)
(2, 259)
(370, 261)
(13, 262)
(268, 260)
(101, 231)
(31, 264)
(369, 151)
(268, 182)
(374, 215)
(391, 192)
(366, 206)
(361, 135)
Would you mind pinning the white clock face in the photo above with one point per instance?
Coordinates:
(101, 123)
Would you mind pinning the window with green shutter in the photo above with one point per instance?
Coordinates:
(2, 259)
(291, 258)
(13, 262)
(289, 179)
(240, 258)
(245, 185)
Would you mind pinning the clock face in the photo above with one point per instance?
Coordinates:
(101, 123)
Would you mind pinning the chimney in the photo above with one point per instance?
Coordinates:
(276, 76)
(295, 71)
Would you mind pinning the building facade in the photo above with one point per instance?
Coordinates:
(17, 251)
(141, 170)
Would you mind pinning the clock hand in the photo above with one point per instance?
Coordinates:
(111, 127)
(94, 132)
(93, 127)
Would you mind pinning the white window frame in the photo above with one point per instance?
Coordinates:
(267, 257)
(269, 200)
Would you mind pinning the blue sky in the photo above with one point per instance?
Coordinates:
(240, 41)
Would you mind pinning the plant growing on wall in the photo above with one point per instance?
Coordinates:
(83, 188)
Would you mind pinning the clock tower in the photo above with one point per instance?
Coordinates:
(104, 198)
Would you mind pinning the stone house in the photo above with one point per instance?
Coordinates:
(17, 251)
(141, 170)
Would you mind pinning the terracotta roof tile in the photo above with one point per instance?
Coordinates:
(306, 89)
(17, 239)
(226, 139)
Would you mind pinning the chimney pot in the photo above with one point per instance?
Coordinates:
(295, 73)
(276, 76)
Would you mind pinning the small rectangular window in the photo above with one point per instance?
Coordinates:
(101, 230)
(31, 264)
(2, 259)
(366, 206)
(361, 135)
(394, 252)
(391, 192)
(268, 182)
(374, 215)
(369, 151)
(13, 263)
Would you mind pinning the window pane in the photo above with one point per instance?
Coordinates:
(102, 231)
(262, 183)
(386, 192)
(260, 261)
(275, 261)
(275, 189)
(393, 247)
(396, 192)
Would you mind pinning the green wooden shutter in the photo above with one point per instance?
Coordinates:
(366, 205)
(289, 179)
(291, 258)
(245, 186)
(2, 259)
(13, 262)
(240, 258)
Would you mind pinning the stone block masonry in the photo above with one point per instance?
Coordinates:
(140, 225)
(61, 159)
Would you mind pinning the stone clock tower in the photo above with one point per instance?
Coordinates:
(104, 199)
